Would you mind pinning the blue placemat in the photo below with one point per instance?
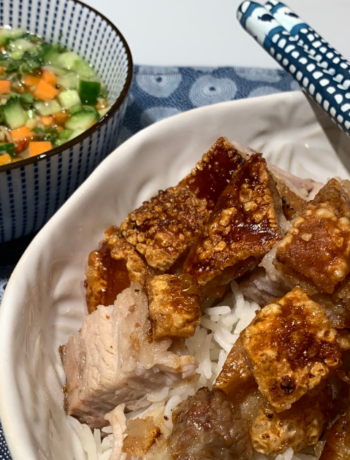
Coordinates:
(160, 92)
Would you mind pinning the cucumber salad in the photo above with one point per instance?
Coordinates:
(48, 95)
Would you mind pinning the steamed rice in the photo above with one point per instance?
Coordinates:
(219, 329)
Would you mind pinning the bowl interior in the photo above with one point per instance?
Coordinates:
(44, 301)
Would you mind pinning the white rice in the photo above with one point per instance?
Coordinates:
(219, 329)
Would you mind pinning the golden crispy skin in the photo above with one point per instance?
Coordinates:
(213, 173)
(242, 228)
(291, 347)
(236, 378)
(299, 427)
(173, 305)
(141, 434)
(111, 269)
(338, 440)
(315, 254)
(165, 227)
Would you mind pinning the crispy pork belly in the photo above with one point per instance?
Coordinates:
(236, 378)
(111, 269)
(291, 347)
(164, 228)
(299, 427)
(337, 445)
(112, 360)
(315, 254)
(213, 173)
(208, 426)
(242, 228)
(141, 434)
(173, 305)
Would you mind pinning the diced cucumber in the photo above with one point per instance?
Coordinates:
(31, 114)
(67, 60)
(21, 44)
(89, 91)
(69, 98)
(81, 120)
(6, 34)
(48, 108)
(26, 99)
(83, 69)
(59, 142)
(51, 57)
(14, 115)
(65, 134)
(68, 81)
(76, 108)
(77, 133)
(16, 55)
(56, 70)
(8, 148)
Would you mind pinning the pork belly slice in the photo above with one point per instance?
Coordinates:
(299, 427)
(111, 269)
(214, 171)
(165, 227)
(112, 360)
(337, 445)
(173, 305)
(208, 426)
(315, 254)
(242, 228)
(291, 347)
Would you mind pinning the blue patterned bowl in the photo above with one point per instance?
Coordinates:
(32, 190)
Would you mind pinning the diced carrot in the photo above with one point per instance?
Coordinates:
(59, 128)
(49, 77)
(36, 148)
(5, 159)
(45, 91)
(5, 86)
(2, 70)
(31, 80)
(61, 117)
(21, 133)
(47, 120)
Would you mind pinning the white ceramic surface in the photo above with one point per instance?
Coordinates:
(44, 301)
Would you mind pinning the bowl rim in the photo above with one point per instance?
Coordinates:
(111, 112)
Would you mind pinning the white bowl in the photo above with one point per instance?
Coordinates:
(44, 301)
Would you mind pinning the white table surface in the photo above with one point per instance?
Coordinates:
(207, 33)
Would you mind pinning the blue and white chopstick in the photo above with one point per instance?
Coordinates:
(317, 81)
(328, 57)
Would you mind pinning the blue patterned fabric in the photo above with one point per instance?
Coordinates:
(160, 92)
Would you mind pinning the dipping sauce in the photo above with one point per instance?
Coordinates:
(48, 95)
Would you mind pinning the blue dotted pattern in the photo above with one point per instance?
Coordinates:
(321, 76)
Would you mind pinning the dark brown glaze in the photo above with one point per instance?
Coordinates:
(173, 305)
(164, 228)
(236, 379)
(111, 268)
(291, 347)
(109, 279)
(242, 228)
(338, 440)
(213, 173)
(208, 426)
(315, 254)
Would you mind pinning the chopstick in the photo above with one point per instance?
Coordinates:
(314, 79)
(328, 57)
